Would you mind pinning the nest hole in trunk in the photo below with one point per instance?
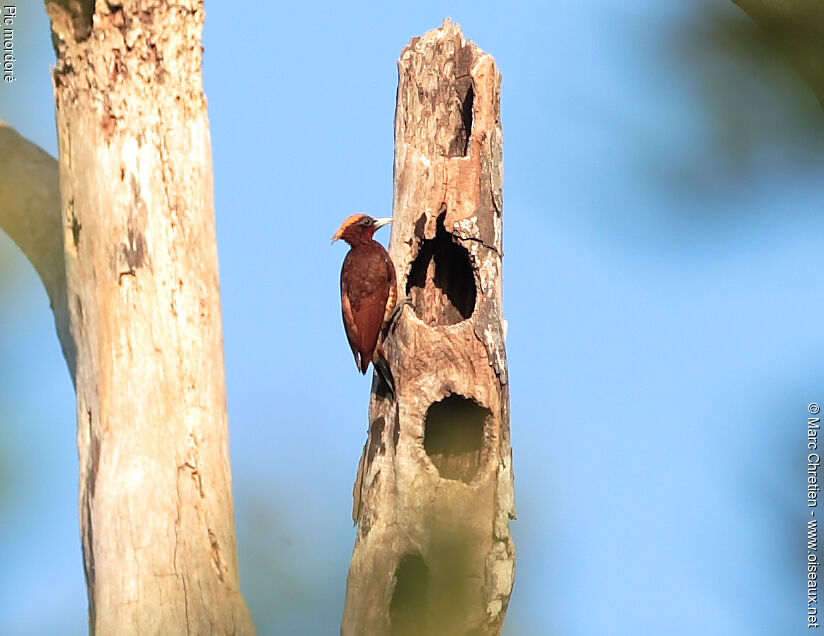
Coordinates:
(441, 283)
(465, 98)
(453, 436)
(408, 609)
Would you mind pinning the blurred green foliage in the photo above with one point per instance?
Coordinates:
(754, 109)
(282, 573)
(797, 28)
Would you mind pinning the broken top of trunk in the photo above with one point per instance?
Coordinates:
(434, 494)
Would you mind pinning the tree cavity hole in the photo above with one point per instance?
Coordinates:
(441, 283)
(408, 609)
(465, 94)
(453, 436)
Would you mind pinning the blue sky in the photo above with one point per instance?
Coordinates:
(662, 285)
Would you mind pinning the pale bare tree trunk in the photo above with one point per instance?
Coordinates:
(130, 265)
(434, 495)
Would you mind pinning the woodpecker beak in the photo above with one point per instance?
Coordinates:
(379, 223)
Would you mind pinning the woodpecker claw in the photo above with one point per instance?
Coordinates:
(391, 322)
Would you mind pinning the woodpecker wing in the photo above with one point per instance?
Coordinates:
(367, 281)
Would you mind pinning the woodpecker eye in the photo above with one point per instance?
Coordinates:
(366, 221)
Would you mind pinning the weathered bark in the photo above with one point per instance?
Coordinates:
(797, 28)
(434, 495)
(137, 239)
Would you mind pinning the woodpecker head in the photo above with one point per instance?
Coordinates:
(359, 228)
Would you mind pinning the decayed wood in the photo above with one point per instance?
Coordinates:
(138, 238)
(434, 495)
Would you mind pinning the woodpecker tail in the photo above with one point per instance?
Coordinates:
(381, 365)
(379, 360)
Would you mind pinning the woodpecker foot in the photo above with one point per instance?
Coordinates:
(396, 312)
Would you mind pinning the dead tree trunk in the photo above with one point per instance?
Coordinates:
(434, 495)
(131, 269)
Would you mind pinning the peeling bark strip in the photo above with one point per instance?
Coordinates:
(434, 495)
(138, 238)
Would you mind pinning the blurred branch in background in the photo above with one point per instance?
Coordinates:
(9, 463)
(797, 29)
(30, 215)
(757, 115)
